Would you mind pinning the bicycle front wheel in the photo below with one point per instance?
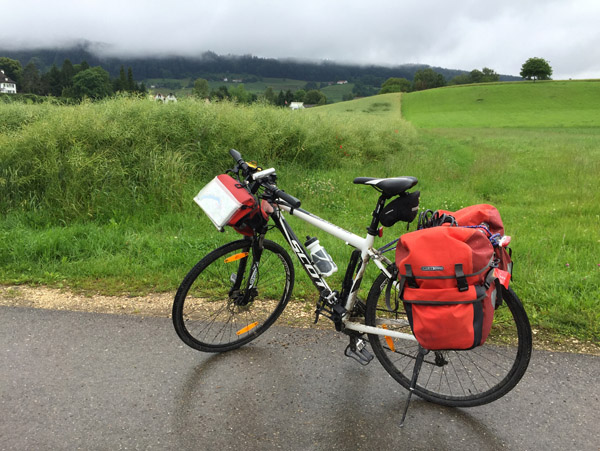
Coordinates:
(453, 378)
(217, 309)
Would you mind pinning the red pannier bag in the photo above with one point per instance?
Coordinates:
(481, 214)
(227, 202)
(447, 282)
(489, 217)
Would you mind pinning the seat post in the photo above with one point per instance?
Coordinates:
(372, 229)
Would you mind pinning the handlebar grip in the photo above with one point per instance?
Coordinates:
(295, 203)
(238, 159)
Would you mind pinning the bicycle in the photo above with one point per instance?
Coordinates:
(236, 292)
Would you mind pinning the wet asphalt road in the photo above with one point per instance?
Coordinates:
(90, 381)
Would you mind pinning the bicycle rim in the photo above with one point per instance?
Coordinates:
(215, 311)
(454, 378)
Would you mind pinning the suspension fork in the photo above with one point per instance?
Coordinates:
(256, 244)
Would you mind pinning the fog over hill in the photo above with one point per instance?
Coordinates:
(208, 64)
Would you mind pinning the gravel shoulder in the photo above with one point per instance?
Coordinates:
(296, 314)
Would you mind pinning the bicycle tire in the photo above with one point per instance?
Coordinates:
(212, 313)
(454, 378)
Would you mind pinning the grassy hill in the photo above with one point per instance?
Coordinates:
(540, 104)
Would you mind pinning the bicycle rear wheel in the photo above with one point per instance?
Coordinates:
(453, 378)
(214, 310)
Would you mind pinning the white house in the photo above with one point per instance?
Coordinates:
(297, 105)
(7, 86)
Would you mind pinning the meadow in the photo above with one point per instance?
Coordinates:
(98, 196)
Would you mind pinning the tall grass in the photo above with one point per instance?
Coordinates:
(124, 156)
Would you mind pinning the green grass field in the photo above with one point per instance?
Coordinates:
(533, 150)
(98, 196)
(542, 104)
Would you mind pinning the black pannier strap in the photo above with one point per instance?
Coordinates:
(480, 293)
(410, 278)
(482, 270)
(461, 279)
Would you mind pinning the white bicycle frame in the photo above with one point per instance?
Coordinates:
(367, 253)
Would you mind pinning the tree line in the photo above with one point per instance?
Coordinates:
(211, 66)
(429, 79)
(74, 81)
(533, 69)
(309, 95)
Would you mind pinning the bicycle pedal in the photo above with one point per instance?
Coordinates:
(359, 353)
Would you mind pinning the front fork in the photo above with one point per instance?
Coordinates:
(247, 295)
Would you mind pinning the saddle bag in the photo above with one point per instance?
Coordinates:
(227, 202)
(403, 208)
(447, 286)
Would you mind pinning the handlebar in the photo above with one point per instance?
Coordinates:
(294, 203)
(239, 160)
(276, 192)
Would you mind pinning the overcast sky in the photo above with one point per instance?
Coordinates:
(459, 34)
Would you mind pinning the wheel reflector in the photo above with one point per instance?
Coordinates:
(248, 328)
(236, 257)
(389, 340)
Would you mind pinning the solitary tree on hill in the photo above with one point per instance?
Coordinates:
(536, 69)
(395, 85)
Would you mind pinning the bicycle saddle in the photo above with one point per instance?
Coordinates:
(391, 187)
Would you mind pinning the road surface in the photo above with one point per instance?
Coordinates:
(72, 380)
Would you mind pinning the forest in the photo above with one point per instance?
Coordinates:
(211, 66)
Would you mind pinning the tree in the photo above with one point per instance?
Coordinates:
(52, 80)
(31, 79)
(94, 83)
(314, 97)
(201, 88)
(82, 66)
(395, 85)
(361, 90)
(120, 84)
(12, 69)
(269, 96)
(289, 97)
(462, 79)
(489, 75)
(299, 95)
(486, 75)
(280, 101)
(131, 87)
(536, 69)
(240, 94)
(221, 93)
(427, 79)
(67, 72)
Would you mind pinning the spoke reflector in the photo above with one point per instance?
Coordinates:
(236, 257)
(248, 328)
(389, 340)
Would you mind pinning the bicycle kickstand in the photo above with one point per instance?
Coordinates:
(413, 382)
